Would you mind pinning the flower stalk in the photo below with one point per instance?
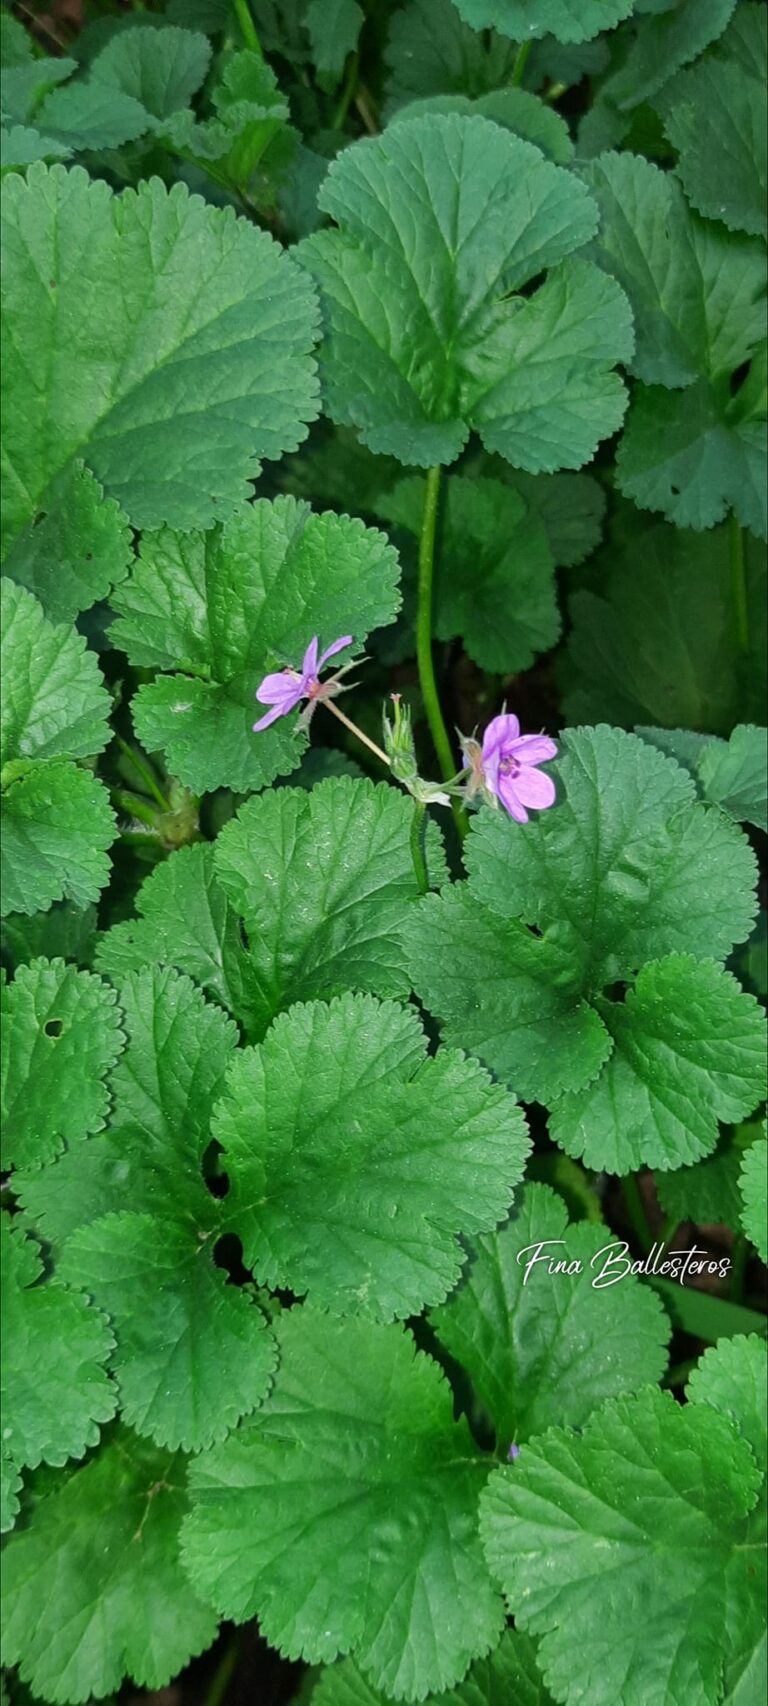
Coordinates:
(424, 658)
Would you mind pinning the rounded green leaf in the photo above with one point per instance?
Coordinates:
(732, 1378)
(753, 1184)
(57, 824)
(55, 1389)
(636, 1524)
(354, 1160)
(172, 423)
(60, 1036)
(567, 20)
(55, 703)
(543, 1347)
(509, 1675)
(439, 222)
(356, 1451)
(431, 51)
(77, 548)
(100, 1552)
(229, 606)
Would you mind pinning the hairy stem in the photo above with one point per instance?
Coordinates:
(739, 581)
(521, 60)
(353, 728)
(418, 846)
(247, 26)
(426, 666)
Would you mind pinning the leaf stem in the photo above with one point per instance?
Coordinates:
(424, 659)
(347, 93)
(247, 26)
(418, 846)
(144, 772)
(739, 581)
(636, 1211)
(353, 728)
(521, 60)
(134, 806)
(739, 1254)
(224, 1671)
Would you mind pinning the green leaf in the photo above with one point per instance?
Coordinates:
(542, 1347)
(357, 1446)
(431, 51)
(55, 1389)
(629, 861)
(75, 551)
(505, 994)
(164, 1087)
(354, 1161)
(731, 1377)
(567, 20)
(228, 606)
(689, 1050)
(514, 109)
(693, 461)
(447, 217)
(735, 776)
(192, 1354)
(88, 115)
(510, 1673)
(714, 115)
(55, 703)
(667, 38)
(61, 1035)
(753, 1184)
(185, 921)
(57, 825)
(697, 294)
(495, 582)
(333, 27)
(324, 882)
(172, 427)
(65, 932)
(659, 643)
(706, 1193)
(571, 507)
(159, 68)
(20, 144)
(575, 1530)
(26, 84)
(10, 1487)
(100, 1552)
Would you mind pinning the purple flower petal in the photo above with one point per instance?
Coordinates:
(280, 689)
(532, 749)
(507, 793)
(534, 788)
(330, 651)
(270, 717)
(500, 731)
(310, 666)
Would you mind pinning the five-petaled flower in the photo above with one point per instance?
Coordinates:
(505, 768)
(286, 689)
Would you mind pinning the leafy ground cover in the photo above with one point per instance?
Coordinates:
(384, 811)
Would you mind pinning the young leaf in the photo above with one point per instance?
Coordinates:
(228, 606)
(753, 1183)
(333, 27)
(60, 1036)
(192, 1353)
(100, 1551)
(354, 1161)
(77, 548)
(567, 20)
(660, 641)
(510, 1673)
(431, 51)
(540, 1347)
(57, 825)
(447, 217)
(356, 1444)
(173, 425)
(159, 68)
(55, 1390)
(575, 1528)
(164, 1088)
(55, 703)
(324, 882)
(714, 115)
(735, 776)
(495, 583)
(88, 115)
(665, 1086)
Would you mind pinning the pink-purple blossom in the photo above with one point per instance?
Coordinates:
(506, 767)
(285, 690)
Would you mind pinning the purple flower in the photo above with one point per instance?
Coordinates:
(505, 767)
(286, 689)
(514, 1451)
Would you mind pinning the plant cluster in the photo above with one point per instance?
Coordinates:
(319, 1022)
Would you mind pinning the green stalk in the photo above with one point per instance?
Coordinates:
(636, 1212)
(426, 666)
(347, 93)
(739, 581)
(521, 60)
(144, 772)
(247, 26)
(739, 1255)
(224, 1672)
(418, 846)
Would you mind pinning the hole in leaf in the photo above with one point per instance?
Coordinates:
(53, 1027)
